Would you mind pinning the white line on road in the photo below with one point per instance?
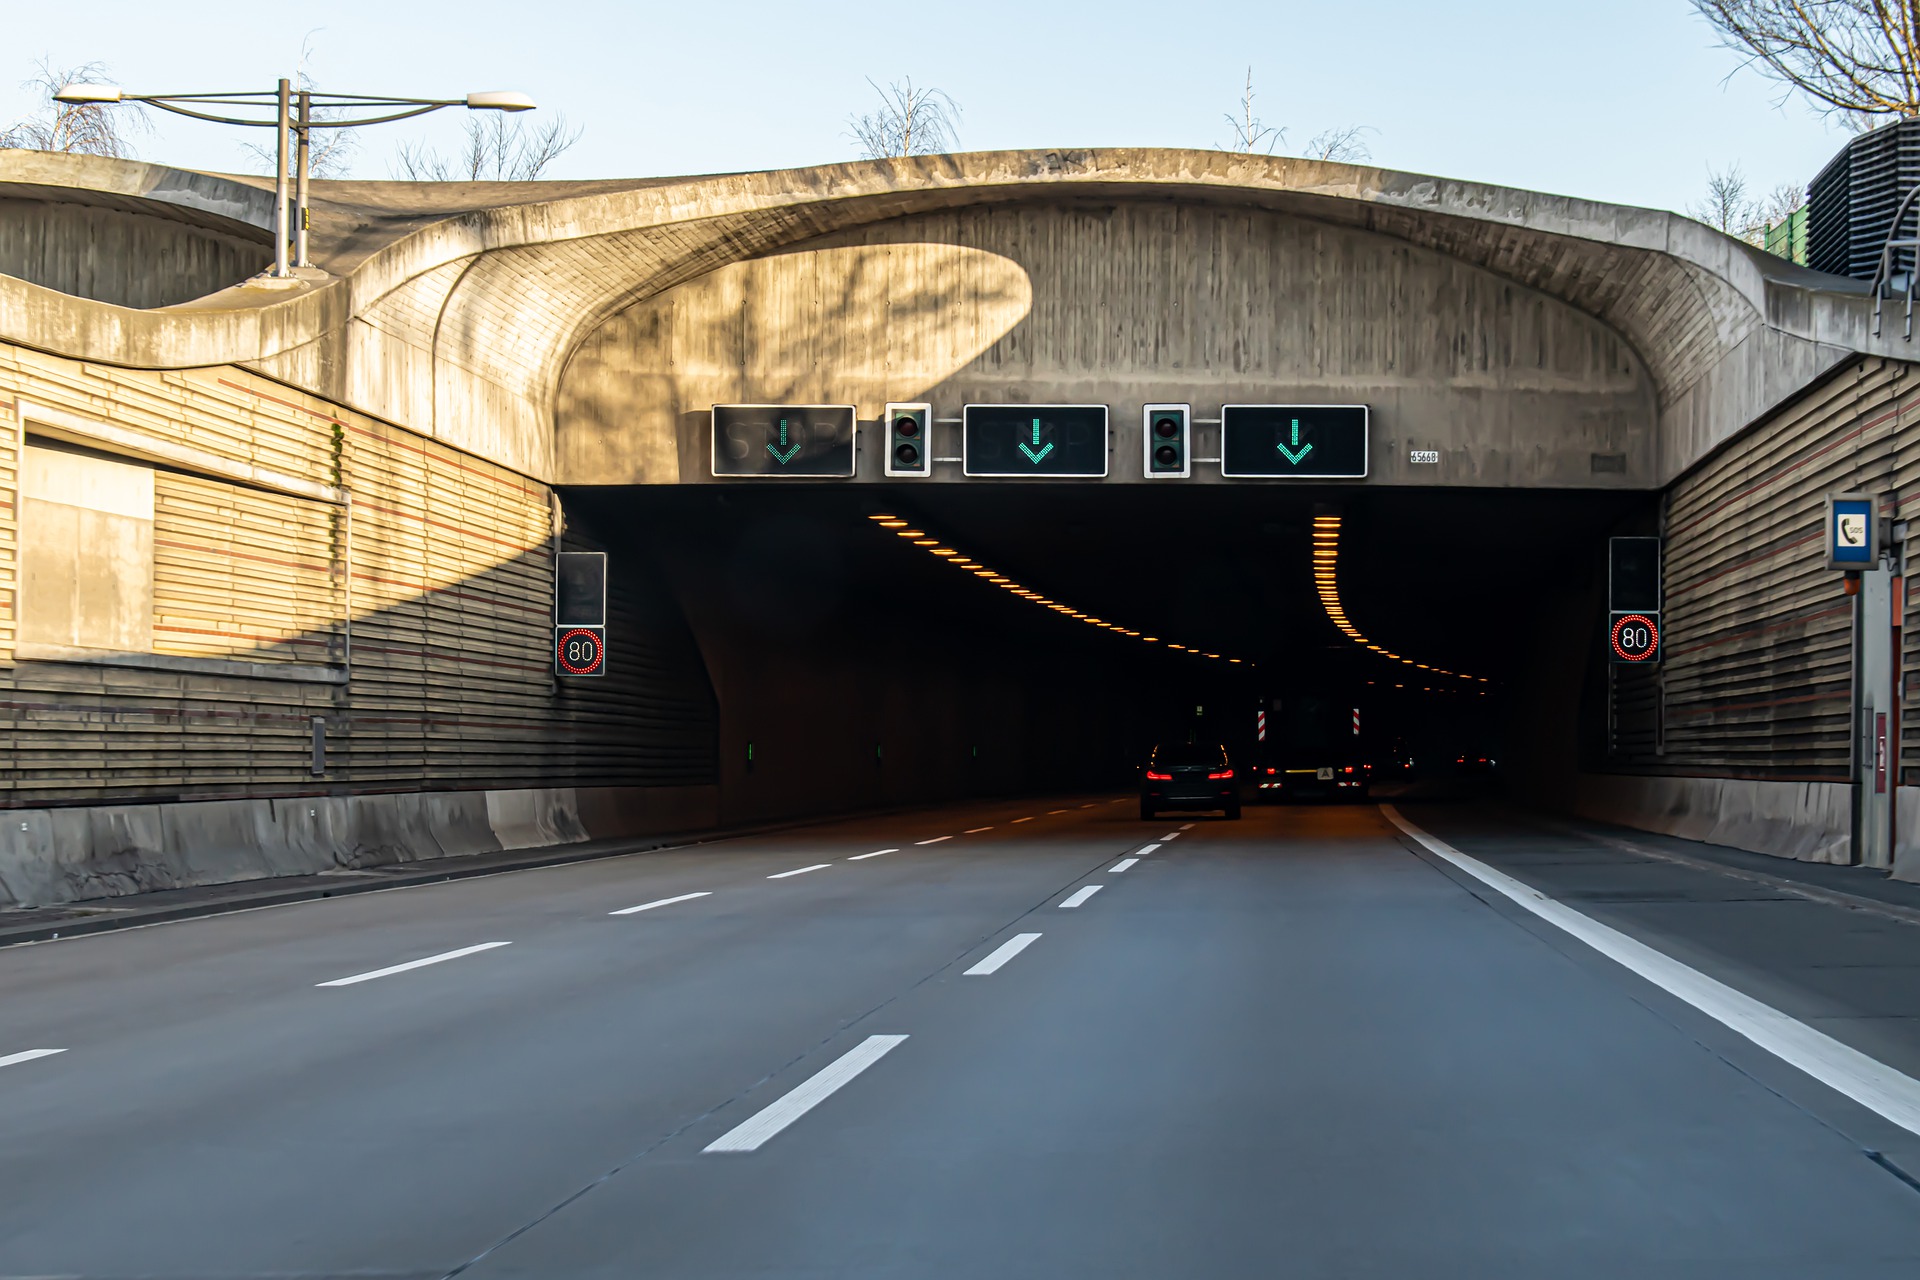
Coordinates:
(1187, 827)
(1171, 835)
(664, 902)
(1121, 865)
(412, 964)
(935, 840)
(1079, 896)
(1001, 954)
(1052, 812)
(876, 853)
(1872, 1084)
(974, 831)
(753, 1133)
(1144, 852)
(1086, 806)
(1026, 819)
(799, 871)
(28, 1055)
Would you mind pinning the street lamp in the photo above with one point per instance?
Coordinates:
(293, 113)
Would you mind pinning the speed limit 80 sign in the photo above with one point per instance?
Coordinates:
(1635, 637)
(580, 651)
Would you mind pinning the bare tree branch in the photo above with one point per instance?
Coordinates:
(1855, 58)
(494, 149)
(79, 128)
(1249, 134)
(1727, 206)
(909, 122)
(329, 151)
(1345, 145)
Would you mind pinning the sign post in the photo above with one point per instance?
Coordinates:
(1855, 545)
(580, 613)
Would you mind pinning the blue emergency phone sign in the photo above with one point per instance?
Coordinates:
(1852, 532)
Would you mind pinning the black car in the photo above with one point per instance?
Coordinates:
(1189, 776)
(1321, 775)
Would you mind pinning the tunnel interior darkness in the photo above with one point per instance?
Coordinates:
(852, 665)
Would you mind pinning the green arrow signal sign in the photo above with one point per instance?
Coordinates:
(784, 454)
(1299, 451)
(1036, 453)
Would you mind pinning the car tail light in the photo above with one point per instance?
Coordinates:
(1158, 777)
(1269, 773)
(1349, 769)
(1217, 776)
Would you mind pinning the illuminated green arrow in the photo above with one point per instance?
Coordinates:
(784, 458)
(1036, 453)
(1299, 451)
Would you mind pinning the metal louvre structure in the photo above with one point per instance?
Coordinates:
(1851, 202)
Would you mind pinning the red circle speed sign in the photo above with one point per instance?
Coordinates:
(1635, 637)
(580, 652)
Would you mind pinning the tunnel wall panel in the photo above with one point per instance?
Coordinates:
(85, 251)
(314, 564)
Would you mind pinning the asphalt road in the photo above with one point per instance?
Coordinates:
(1289, 1046)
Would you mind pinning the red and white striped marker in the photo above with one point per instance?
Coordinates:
(1260, 723)
(1356, 722)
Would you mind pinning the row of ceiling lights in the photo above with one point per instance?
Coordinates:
(940, 550)
(1326, 556)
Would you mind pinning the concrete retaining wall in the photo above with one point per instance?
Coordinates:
(63, 855)
(1808, 821)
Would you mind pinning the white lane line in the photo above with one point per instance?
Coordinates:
(935, 840)
(974, 831)
(1171, 835)
(876, 853)
(1187, 827)
(1052, 812)
(28, 1055)
(1144, 852)
(1086, 806)
(1027, 819)
(1079, 896)
(1121, 865)
(664, 902)
(754, 1132)
(799, 871)
(1872, 1084)
(1001, 954)
(412, 964)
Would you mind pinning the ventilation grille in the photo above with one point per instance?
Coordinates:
(1851, 203)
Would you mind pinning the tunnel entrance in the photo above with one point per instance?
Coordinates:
(881, 644)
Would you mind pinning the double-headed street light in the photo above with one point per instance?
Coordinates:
(293, 114)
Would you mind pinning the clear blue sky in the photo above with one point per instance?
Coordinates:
(1629, 101)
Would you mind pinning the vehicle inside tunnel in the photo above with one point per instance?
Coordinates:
(876, 643)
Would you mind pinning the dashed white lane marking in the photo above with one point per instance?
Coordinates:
(1186, 826)
(413, 964)
(1079, 896)
(858, 857)
(1121, 865)
(28, 1055)
(1872, 1084)
(1086, 806)
(753, 1133)
(1027, 819)
(664, 902)
(974, 831)
(1052, 812)
(935, 840)
(1171, 835)
(1147, 850)
(799, 871)
(1001, 954)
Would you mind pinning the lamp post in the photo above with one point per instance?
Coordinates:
(292, 113)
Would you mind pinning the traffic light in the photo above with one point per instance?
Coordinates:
(909, 440)
(1168, 429)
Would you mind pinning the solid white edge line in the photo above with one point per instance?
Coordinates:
(799, 871)
(1121, 865)
(935, 840)
(29, 1055)
(1144, 852)
(1001, 954)
(1079, 896)
(664, 902)
(421, 963)
(1874, 1085)
(876, 853)
(751, 1134)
